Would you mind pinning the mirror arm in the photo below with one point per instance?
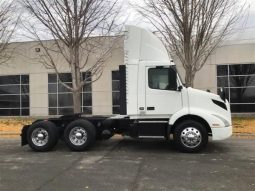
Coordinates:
(180, 88)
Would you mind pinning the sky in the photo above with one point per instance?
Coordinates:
(244, 32)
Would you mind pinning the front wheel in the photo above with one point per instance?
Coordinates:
(190, 136)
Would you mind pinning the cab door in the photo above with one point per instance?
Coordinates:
(162, 97)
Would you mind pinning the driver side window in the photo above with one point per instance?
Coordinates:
(159, 78)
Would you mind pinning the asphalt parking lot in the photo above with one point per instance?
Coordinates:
(127, 164)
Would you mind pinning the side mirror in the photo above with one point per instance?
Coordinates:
(180, 88)
(172, 79)
(222, 94)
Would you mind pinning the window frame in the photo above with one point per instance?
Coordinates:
(20, 94)
(161, 67)
(53, 80)
(228, 76)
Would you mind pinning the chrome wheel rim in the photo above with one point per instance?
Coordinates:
(191, 137)
(78, 136)
(40, 137)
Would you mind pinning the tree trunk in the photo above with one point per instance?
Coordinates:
(76, 82)
(189, 78)
(77, 101)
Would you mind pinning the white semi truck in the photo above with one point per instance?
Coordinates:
(154, 104)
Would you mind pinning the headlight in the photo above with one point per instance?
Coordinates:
(226, 123)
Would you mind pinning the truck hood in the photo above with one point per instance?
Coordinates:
(203, 94)
(204, 102)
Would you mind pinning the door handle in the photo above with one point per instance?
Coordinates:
(150, 108)
(141, 108)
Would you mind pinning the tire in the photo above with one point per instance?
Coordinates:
(80, 135)
(42, 136)
(198, 136)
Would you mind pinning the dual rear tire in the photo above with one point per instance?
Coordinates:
(42, 136)
(79, 135)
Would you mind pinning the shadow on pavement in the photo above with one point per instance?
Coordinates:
(144, 145)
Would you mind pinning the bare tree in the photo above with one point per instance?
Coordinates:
(8, 23)
(192, 29)
(73, 24)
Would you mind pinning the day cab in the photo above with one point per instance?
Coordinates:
(154, 104)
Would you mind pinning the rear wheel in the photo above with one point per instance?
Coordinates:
(190, 136)
(42, 136)
(79, 135)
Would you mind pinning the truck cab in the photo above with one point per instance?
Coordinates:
(154, 104)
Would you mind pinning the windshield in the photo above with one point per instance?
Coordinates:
(178, 74)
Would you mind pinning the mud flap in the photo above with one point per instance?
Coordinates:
(24, 135)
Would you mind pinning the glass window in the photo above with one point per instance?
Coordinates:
(240, 82)
(242, 69)
(24, 89)
(53, 100)
(243, 108)
(242, 95)
(65, 77)
(9, 112)
(25, 79)
(61, 98)
(222, 81)
(87, 99)
(158, 78)
(86, 76)
(53, 111)
(222, 70)
(87, 87)
(10, 89)
(9, 101)
(52, 88)
(87, 110)
(65, 100)
(24, 112)
(4, 80)
(52, 78)
(162, 79)
(14, 95)
(25, 101)
(63, 89)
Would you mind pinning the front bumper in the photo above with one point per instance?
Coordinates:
(221, 133)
